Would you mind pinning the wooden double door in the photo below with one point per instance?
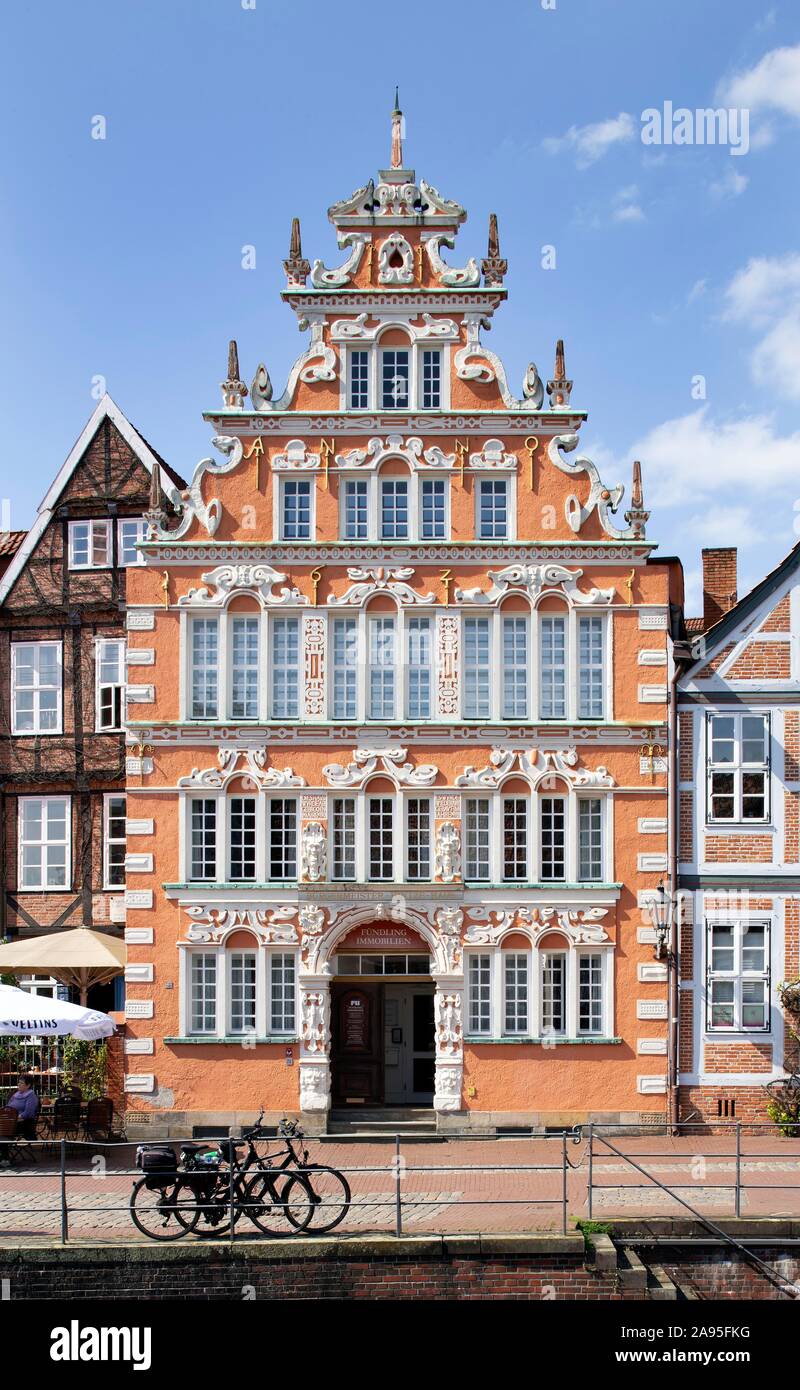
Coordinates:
(382, 1043)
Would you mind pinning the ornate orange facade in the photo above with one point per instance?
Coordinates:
(397, 774)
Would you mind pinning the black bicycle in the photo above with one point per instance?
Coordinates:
(330, 1188)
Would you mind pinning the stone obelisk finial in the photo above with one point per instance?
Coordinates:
(233, 388)
(637, 517)
(397, 132)
(493, 266)
(559, 389)
(296, 266)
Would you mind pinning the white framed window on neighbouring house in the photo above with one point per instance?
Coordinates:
(738, 758)
(130, 530)
(90, 545)
(114, 841)
(44, 842)
(738, 976)
(109, 705)
(36, 688)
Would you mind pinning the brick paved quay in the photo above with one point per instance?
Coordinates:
(484, 1194)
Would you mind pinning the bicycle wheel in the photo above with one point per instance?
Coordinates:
(279, 1207)
(331, 1192)
(167, 1213)
(214, 1211)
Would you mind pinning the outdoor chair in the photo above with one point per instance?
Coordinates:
(8, 1136)
(99, 1118)
(65, 1121)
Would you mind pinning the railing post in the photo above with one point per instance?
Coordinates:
(231, 1153)
(398, 1200)
(591, 1169)
(564, 1183)
(738, 1204)
(64, 1211)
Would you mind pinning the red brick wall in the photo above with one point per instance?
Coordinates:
(734, 849)
(779, 619)
(750, 1104)
(686, 1030)
(685, 727)
(791, 745)
(791, 814)
(686, 826)
(737, 1056)
(762, 661)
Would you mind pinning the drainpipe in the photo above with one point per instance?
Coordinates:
(672, 949)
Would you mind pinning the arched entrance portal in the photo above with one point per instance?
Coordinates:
(383, 1045)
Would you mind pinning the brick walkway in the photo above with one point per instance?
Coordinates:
(483, 1196)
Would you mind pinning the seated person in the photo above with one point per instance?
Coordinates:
(26, 1103)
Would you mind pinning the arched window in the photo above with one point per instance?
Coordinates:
(552, 991)
(239, 989)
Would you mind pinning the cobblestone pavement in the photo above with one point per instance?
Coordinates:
(454, 1186)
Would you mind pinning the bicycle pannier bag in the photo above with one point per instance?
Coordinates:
(158, 1163)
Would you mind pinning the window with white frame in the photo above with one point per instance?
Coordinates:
(479, 992)
(204, 668)
(359, 380)
(89, 545)
(553, 992)
(515, 838)
(515, 992)
(552, 838)
(36, 687)
(590, 839)
(345, 668)
(382, 668)
(395, 371)
(552, 667)
(244, 639)
(109, 657)
(44, 841)
(296, 504)
(515, 667)
(394, 500)
(114, 841)
(431, 383)
(242, 838)
(285, 675)
(130, 530)
(282, 838)
(231, 993)
(433, 509)
(477, 839)
(738, 969)
(343, 837)
(418, 838)
(477, 668)
(380, 838)
(203, 992)
(590, 993)
(283, 992)
(242, 991)
(419, 667)
(356, 509)
(591, 674)
(493, 519)
(738, 767)
(202, 839)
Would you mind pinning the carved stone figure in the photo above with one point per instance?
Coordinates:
(313, 838)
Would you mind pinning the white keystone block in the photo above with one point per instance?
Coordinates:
(140, 694)
(139, 863)
(140, 619)
(138, 827)
(650, 619)
(651, 1008)
(138, 936)
(143, 1082)
(138, 767)
(657, 765)
(653, 656)
(651, 863)
(138, 974)
(651, 1047)
(138, 897)
(652, 694)
(651, 1085)
(116, 908)
(651, 972)
(139, 1008)
(140, 656)
(646, 825)
(139, 1047)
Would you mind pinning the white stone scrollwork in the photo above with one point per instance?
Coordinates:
(448, 852)
(395, 246)
(209, 925)
(392, 761)
(259, 580)
(323, 279)
(315, 1034)
(313, 665)
(317, 363)
(448, 635)
(313, 852)
(228, 765)
(535, 580)
(191, 504)
(312, 919)
(376, 580)
(605, 499)
(315, 1086)
(433, 198)
(535, 764)
(397, 199)
(449, 1030)
(465, 277)
(410, 449)
(355, 329)
(448, 922)
(437, 328)
(295, 456)
(580, 925)
(488, 367)
(493, 455)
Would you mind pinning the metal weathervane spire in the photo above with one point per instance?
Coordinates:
(397, 132)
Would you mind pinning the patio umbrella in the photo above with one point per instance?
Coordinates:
(79, 957)
(32, 1015)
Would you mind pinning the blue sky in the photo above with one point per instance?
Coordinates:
(121, 257)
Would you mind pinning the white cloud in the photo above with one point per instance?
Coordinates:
(774, 83)
(697, 291)
(627, 207)
(590, 142)
(776, 359)
(730, 185)
(724, 526)
(760, 290)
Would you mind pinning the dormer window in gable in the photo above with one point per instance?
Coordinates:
(394, 374)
